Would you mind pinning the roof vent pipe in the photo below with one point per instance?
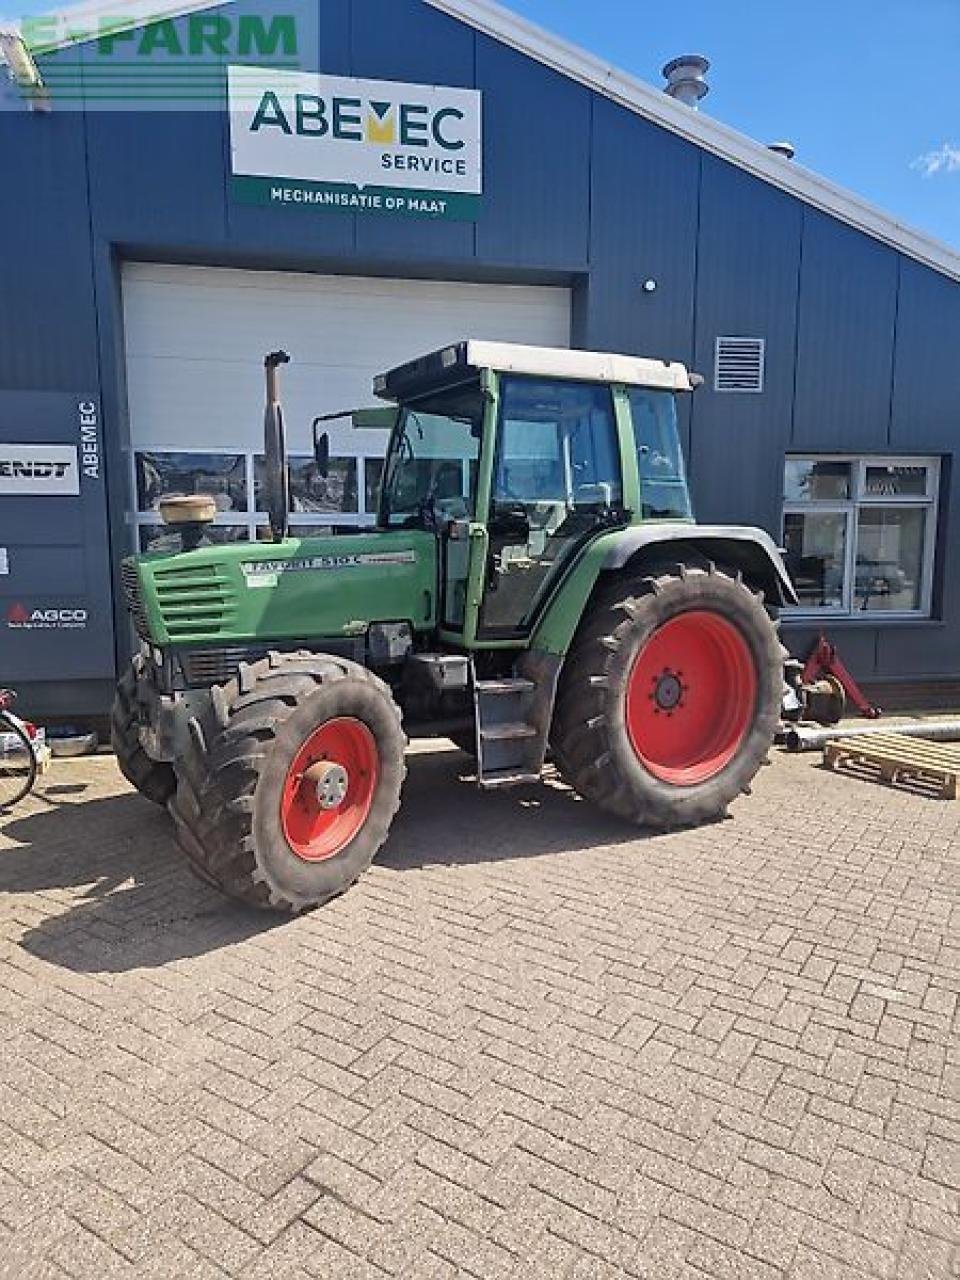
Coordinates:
(685, 79)
(785, 149)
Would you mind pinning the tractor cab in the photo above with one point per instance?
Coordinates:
(515, 458)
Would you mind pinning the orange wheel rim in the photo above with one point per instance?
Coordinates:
(691, 698)
(329, 789)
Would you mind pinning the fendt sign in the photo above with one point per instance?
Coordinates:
(50, 470)
(362, 146)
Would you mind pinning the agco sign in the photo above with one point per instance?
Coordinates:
(368, 146)
(21, 618)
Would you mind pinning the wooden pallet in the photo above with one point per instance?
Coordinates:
(915, 763)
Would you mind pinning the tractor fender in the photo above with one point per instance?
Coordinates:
(752, 551)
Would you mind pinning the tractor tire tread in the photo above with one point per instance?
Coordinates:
(154, 779)
(214, 805)
(589, 711)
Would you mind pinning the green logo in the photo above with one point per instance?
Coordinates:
(142, 63)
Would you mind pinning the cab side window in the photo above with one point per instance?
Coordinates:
(663, 477)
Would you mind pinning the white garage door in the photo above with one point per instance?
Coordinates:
(195, 341)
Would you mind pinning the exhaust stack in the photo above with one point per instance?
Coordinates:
(276, 476)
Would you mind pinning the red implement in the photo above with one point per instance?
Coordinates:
(825, 661)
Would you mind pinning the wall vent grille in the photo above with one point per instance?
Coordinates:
(740, 365)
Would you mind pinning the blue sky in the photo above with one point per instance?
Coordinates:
(863, 88)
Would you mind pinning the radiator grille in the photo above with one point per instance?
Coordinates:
(130, 580)
(195, 601)
(203, 667)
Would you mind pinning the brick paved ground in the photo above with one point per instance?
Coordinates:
(529, 1044)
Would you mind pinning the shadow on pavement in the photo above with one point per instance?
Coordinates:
(140, 906)
(445, 820)
(119, 893)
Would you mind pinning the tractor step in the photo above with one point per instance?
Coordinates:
(511, 745)
(500, 781)
(508, 732)
(505, 687)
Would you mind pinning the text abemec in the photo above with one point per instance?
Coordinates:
(407, 124)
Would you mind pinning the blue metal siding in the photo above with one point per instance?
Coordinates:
(847, 321)
(926, 397)
(861, 343)
(47, 317)
(644, 197)
(537, 163)
(748, 267)
(926, 419)
(405, 40)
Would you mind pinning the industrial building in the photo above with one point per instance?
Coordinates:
(361, 181)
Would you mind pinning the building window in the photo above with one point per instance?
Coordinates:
(860, 534)
(318, 504)
(167, 475)
(310, 492)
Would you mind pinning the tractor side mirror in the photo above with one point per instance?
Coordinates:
(321, 448)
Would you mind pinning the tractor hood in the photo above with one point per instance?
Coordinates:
(299, 589)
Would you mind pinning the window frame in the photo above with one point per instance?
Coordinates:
(614, 423)
(251, 519)
(859, 500)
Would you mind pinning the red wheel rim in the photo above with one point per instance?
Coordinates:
(691, 698)
(329, 789)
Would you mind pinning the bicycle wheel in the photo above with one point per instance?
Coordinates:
(18, 764)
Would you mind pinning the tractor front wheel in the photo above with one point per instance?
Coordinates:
(292, 781)
(152, 778)
(670, 697)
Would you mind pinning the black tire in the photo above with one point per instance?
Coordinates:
(590, 736)
(152, 778)
(228, 801)
(18, 764)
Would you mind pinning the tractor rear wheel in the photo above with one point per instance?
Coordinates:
(152, 778)
(670, 697)
(292, 780)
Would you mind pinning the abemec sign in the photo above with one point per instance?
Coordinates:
(361, 146)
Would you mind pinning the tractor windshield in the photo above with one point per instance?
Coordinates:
(431, 469)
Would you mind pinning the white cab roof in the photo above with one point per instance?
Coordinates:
(586, 366)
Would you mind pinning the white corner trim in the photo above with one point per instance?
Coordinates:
(753, 157)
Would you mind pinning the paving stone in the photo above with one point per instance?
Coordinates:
(531, 1042)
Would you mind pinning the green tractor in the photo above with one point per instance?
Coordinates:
(535, 584)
